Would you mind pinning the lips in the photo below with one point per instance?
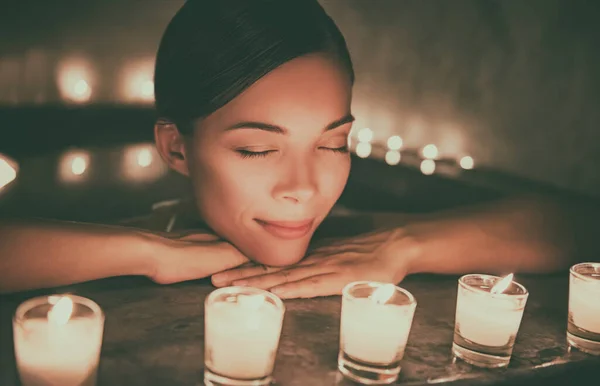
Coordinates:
(288, 230)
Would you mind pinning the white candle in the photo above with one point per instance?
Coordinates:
(489, 318)
(584, 303)
(487, 321)
(374, 331)
(58, 350)
(242, 336)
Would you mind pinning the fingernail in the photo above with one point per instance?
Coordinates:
(240, 283)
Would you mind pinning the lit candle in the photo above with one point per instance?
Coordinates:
(375, 323)
(583, 330)
(488, 315)
(243, 327)
(58, 341)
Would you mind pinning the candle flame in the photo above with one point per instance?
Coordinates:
(503, 284)
(251, 301)
(382, 294)
(61, 312)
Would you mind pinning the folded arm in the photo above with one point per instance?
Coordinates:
(42, 254)
(525, 234)
(37, 254)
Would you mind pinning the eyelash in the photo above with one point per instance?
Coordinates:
(260, 154)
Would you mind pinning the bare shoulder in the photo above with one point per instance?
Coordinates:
(165, 216)
(153, 221)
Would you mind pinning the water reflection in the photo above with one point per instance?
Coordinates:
(142, 163)
(73, 166)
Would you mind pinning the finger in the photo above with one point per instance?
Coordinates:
(225, 278)
(284, 276)
(251, 269)
(319, 285)
(337, 249)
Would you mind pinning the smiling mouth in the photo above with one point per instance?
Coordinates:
(288, 230)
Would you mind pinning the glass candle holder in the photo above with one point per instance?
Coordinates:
(487, 323)
(583, 329)
(58, 340)
(375, 323)
(242, 331)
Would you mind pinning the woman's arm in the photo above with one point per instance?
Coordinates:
(46, 253)
(43, 254)
(526, 234)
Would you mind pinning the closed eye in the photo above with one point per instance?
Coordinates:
(254, 154)
(343, 149)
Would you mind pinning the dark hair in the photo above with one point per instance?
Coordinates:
(213, 50)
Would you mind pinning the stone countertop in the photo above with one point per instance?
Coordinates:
(154, 336)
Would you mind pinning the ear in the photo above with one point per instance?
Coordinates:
(170, 144)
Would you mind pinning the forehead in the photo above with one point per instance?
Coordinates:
(310, 91)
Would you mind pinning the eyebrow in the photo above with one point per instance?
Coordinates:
(280, 130)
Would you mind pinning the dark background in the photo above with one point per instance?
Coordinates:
(512, 83)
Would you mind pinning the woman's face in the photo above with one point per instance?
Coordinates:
(268, 167)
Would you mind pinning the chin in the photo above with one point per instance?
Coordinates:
(278, 254)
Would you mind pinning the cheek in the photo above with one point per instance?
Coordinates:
(333, 176)
(225, 186)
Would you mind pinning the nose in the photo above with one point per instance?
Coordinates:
(297, 182)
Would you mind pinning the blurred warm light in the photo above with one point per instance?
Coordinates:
(467, 162)
(142, 163)
(392, 157)
(78, 165)
(428, 167)
(8, 170)
(394, 142)
(73, 166)
(365, 135)
(430, 151)
(75, 81)
(144, 158)
(363, 149)
(137, 84)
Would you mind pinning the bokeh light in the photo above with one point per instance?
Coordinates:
(394, 142)
(144, 158)
(428, 167)
(75, 81)
(365, 135)
(467, 162)
(363, 149)
(392, 157)
(142, 163)
(430, 151)
(74, 166)
(137, 82)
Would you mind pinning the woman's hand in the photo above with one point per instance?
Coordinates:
(384, 256)
(193, 255)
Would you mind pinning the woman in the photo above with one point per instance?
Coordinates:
(255, 106)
